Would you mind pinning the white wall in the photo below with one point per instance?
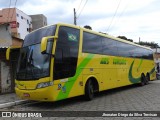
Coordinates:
(23, 24)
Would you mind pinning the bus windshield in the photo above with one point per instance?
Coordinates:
(32, 63)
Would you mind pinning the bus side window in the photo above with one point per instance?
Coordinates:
(109, 46)
(92, 43)
(67, 46)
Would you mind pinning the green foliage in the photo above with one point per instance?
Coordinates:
(151, 44)
(125, 38)
(104, 33)
(88, 27)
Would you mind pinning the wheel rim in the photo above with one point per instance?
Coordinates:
(91, 88)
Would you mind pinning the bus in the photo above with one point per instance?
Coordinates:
(62, 61)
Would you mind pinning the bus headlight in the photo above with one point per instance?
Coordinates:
(44, 84)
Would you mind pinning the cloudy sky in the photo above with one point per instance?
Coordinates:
(130, 18)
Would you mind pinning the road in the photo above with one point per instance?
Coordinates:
(130, 98)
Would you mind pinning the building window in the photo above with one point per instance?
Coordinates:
(17, 24)
(17, 15)
(19, 35)
(21, 17)
(27, 21)
(28, 29)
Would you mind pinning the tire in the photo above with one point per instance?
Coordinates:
(89, 90)
(143, 80)
(147, 79)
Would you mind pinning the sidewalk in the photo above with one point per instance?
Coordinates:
(10, 99)
(158, 76)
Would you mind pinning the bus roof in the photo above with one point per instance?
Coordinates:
(98, 33)
(104, 35)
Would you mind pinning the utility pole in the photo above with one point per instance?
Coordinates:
(139, 39)
(75, 18)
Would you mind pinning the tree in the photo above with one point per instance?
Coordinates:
(88, 27)
(104, 33)
(151, 44)
(125, 38)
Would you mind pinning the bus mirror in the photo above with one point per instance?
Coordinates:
(45, 46)
(9, 50)
(8, 53)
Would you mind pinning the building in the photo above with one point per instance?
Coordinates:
(5, 36)
(8, 68)
(14, 26)
(157, 60)
(21, 23)
(38, 21)
(156, 55)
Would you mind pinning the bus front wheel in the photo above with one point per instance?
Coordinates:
(89, 90)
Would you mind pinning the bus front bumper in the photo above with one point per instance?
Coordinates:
(43, 94)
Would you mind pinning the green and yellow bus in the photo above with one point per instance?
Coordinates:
(62, 61)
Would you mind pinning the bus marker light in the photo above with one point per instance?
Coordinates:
(59, 86)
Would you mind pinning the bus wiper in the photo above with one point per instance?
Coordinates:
(31, 64)
(30, 59)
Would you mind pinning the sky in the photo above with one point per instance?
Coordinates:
(131, 18)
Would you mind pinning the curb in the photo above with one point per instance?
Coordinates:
(9, 104)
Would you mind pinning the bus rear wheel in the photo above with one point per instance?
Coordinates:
(143, 80)
(89, 90)
(147, 79)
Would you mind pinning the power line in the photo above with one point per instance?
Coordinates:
(82, 9)
(121, 14)
(14, 9)
(79, 5)
(9, 10)
(114, 15)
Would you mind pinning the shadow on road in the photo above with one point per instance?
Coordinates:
(80, 99)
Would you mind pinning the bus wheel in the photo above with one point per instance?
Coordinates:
(147, 79)
(89, 90)
(143, 81)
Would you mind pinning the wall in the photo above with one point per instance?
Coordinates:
(17, 42)
(19, 21)
(5, 36)
(38, 21)
(24, 23)
(8, 15)
(5, 74)
(157, 57)
(7, 68)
